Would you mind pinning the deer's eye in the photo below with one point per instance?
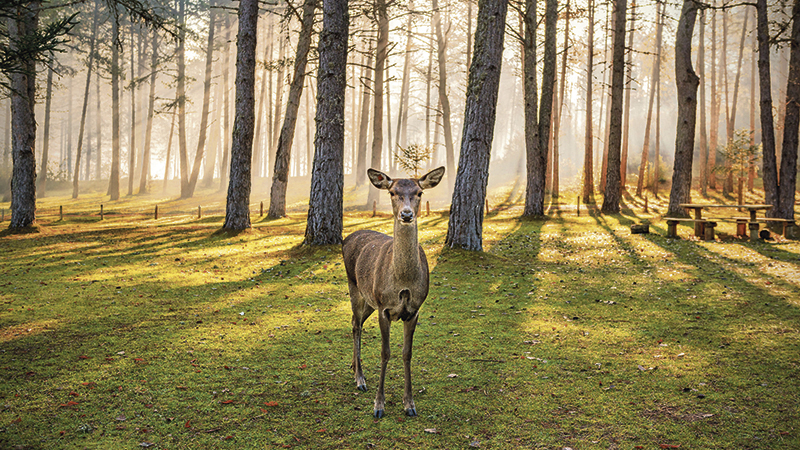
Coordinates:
(391, 194)
(419, 194)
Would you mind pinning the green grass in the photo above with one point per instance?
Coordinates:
(565, 332)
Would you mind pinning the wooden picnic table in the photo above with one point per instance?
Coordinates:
(701, 223)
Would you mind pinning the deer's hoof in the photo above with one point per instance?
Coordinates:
(378, 413)
(411, 412)
(362, 387)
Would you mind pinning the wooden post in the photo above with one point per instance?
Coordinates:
(261, 211)
(578, 210)
(3, 215)
(101, 211)
(61, 213)
(645, 203)
(374, 208)
(156, 212)
(487, 207)
(428, 207)
(199, 212)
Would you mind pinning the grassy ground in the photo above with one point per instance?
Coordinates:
(567, 332)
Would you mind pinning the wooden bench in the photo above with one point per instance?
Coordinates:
(787, 223)
(672, 226)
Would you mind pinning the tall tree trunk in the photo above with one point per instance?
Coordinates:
(701, 68)
(654, 86)
(769, 170)
(687, 82)
(612, 189)
(788, 173)
(731, 119)
(113, 181)
(276, 122)
(751, 171)
(657, 146)
(441, 43)
(266, 80)
(390, 148)
(605, 100)
(169, 149)
(134, 123)
(226, 131)
(554, 185)
(98, 129)
(428, 105)
(588, 172)
(201, 142)
(143, 189)
(42, 181)
(237, 209)
(89, 68)
(182, 150)
(402, 112)
(214, 139)
(623, 170)
(23, 138)
(363, 129)
(324, 224)
(534, 155)
(465, 229)
(377, 117)
(277, 205)
(713, 126)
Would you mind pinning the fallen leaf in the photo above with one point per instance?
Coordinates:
(83, 357)
(226, 402)
(271, 403)
(187, 425)
(431, 430)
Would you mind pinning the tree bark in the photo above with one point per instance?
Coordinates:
(134, 123)
(588, 164)
(237, 210)
(324, 224)
(441, 44)
(277, 205)
(654, 86)
(701, 68)
(611, 198)
(534, 156)
(626, 119)
(769, 170)
(182, 150)
(377, 116)
(788, 171)
(713, 126)
(201, 142)
(145, 176)
(113, 181)
(554, 184)
(42, 181)
(687, 82)
(226, 142)
(466, 213)
(90, 66)
(23, 121)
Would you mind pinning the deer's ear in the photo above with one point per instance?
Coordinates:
(379, 179)
(432, 178)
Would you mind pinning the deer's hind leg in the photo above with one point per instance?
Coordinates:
(361, 312)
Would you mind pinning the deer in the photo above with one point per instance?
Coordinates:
(389, 274)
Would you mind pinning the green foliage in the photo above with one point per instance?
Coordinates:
(740, 153)
(566, 332)
(412, 159)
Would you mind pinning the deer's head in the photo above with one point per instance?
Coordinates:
(406, 193)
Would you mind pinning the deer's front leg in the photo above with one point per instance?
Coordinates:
(408, 341)
(380, 400)
(361, 382)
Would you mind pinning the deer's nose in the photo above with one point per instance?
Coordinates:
(406, 215)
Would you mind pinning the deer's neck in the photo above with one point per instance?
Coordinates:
(405, 252)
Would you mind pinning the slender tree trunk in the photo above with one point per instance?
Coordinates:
(226, 131)
(98, 129)
(390, 160)
(657, 146)
(169, 149)
(377, 117)
(277, 205)
(613, 183)
(751, 171)
(713, 130)
(42, 182)
(605, 101)
(214, 139)
(201, 142)
(113, 182)
(701, 68)
(363, 129)
(89, 68)
(554, 185)
(276, 123)
(266, 79)
(182, 149)
(769, 170)
(731, 119)
(788, 170)
(145, 176)
(588, 172)
(687, 82)
(237, 210)
(654, 86)
(134, 123)
(534, 154)
(23, 138)
(324, 224)
(465, 229)
(428, 105)
(402, 112)
(441, 42)
(626, 119)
